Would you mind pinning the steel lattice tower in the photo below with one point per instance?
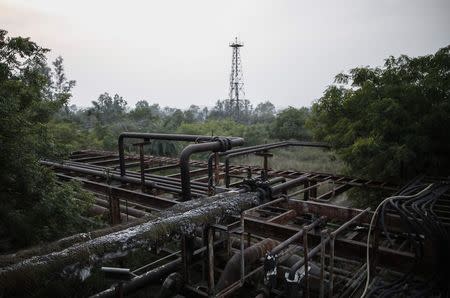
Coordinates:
(236, 83)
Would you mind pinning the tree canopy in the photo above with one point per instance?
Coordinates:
(33, 207)
(290, 124)
(390, 122)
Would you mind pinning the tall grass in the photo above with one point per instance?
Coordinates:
(298, 158)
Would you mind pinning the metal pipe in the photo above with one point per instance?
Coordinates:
(305, 260)
(242, 250)
(311, 253)
(268, 147)
(143, 280)
(323, 235)
(281, 188)
(295, 237)
(130, 210)
(175, 182)
(213, 157)
(232, 270)
(154, 136)
(151, 276)
(171, 285)
(348, 223)
(222, 144)
(330, 283)
(160, 182)
(126, 179)
(332, 240)
(210, 240)
(308, 188)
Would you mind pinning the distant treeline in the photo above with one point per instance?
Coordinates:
(99, 125)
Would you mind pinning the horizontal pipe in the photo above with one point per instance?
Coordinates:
(152, 276)
(211, 157)
(280, 188)
(112, 176)
(154, 136)
(124, 209)
(268, 147)
(295, 237)
(143, 280)
(301, 262)
(348, 223)
(174, 182)
(100, 210)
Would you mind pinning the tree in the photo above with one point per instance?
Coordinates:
(61, 86)
(193, 114)
(144, 114)
(33, 207)
(390, 122)
(264, 112)
(290, 124)
(109, 109)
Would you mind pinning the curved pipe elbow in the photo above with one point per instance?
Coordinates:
(185, 156)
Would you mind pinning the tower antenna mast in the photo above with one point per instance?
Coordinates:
(236, 82)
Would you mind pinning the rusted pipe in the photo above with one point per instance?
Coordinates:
(231, 273)
(160, 180)
(154, 136)
(220, 144)
(214, 155)
(171, 285)
(333, 236)
(268, 147)
(283, 187)
(296, 236)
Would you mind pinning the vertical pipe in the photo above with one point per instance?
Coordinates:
(375, 245)
(227, 172)
(322, 262)
(185, 257)
(228, 243)
(265, 165)
(141, 162)
(306, 193)
(330, 285)
(313, 191)
(197, 148)
(121, 155)
(210, 261)
(242, 250)
(210, 173)
(114, 203)
(205, 253)
(305, 256)
(216, 168)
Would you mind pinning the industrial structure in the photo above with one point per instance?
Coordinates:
(207, 227)
(237, 93)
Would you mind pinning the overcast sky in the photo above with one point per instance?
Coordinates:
(176, 53)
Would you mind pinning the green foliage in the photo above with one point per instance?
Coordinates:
(32, 205)
(61, 211)
(108, 109)
(68, 137)
(290, 124)
(253, 134)
(264, 112)
(390, 122)
(226, 109)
